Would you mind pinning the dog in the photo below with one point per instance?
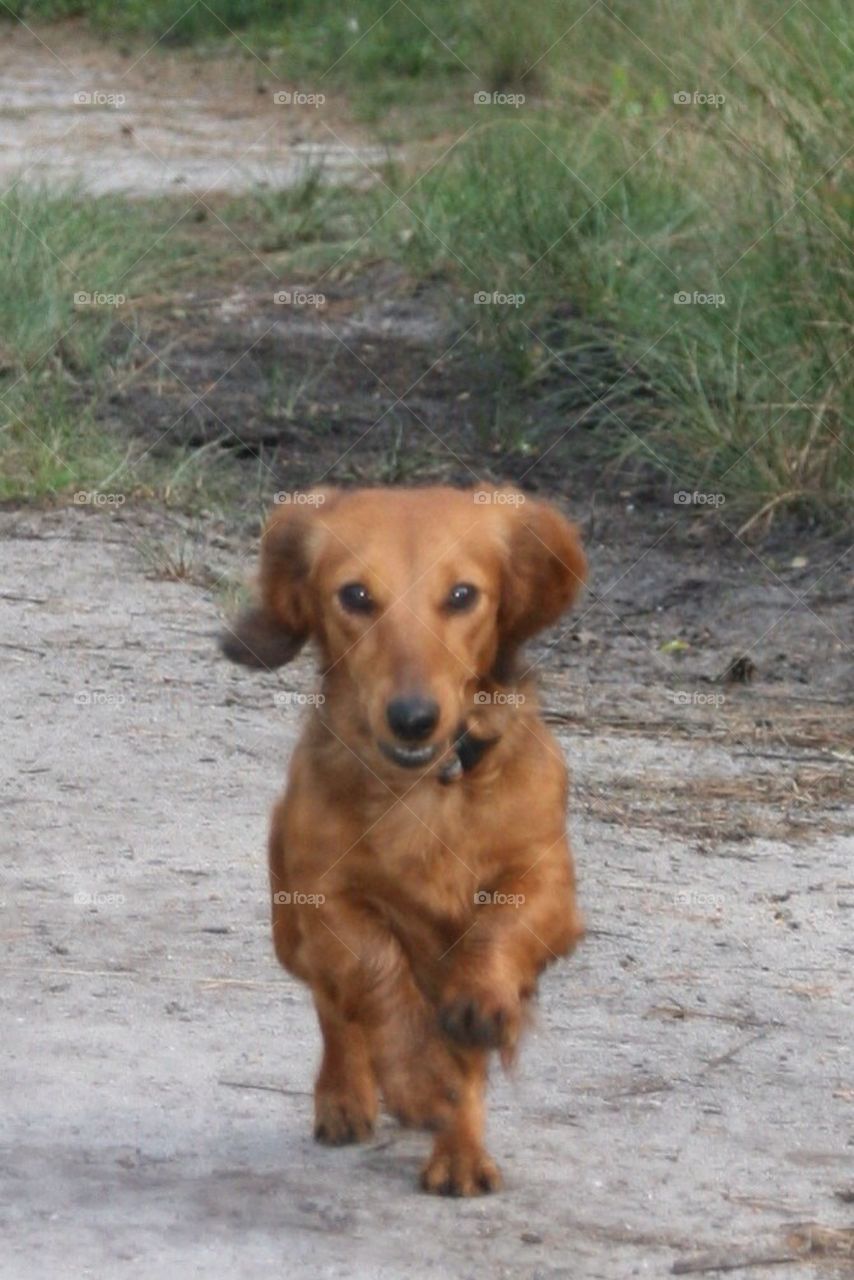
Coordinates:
(420, 874)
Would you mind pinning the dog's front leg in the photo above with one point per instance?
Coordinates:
(458, 1164)
(349, 961)
(346, 1099)
(521, 923)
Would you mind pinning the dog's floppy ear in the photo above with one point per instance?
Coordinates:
(544, 571)
(273, 631)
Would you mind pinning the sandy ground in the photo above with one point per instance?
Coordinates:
(688, 1086)
(148, 121)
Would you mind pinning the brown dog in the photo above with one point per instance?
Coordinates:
(420, 873)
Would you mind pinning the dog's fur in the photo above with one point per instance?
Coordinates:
(420, 903)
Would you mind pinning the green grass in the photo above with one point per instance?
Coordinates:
(770, 364)
(55, 250)
(155, 16)
(599, 199)
(60, 357)
(604, 199)
(380, 46)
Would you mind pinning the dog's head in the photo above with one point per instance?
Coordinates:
(417, 599)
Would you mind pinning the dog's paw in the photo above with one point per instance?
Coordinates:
(460, 1172)
(484, 1019)
(339, 1121)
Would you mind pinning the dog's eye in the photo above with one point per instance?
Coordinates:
(356, 598)
(462, 596)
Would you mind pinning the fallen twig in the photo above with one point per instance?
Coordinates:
(732, 1261)
(266, 1088)
(723, 1058)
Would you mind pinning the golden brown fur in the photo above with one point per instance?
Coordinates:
(419, 902)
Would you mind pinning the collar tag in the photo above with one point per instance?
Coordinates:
(451, 769)
(468, 751)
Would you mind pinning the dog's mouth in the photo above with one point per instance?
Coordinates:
(409, 757)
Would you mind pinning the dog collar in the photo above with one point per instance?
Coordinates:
(467, 753)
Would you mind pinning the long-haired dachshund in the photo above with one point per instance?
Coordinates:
(420, 874)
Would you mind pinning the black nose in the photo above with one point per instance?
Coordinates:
(412, 718)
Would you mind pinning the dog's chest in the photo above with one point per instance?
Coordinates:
(434, 855)
(429, 820)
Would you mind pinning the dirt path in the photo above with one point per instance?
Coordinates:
(151, 122)
(689, 1083)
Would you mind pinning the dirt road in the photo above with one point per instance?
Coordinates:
(150, 122)
(688, 1086)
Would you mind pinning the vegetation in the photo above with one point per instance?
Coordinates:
(73, 276)
(626, 157)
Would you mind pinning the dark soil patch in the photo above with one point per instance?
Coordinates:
(380, 383)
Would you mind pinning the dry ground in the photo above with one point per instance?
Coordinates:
(146, 121)
(688, 1086)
